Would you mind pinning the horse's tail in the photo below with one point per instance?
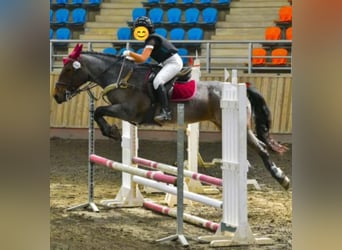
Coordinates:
(262, 119)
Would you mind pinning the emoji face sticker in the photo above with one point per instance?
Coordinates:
(140, 33)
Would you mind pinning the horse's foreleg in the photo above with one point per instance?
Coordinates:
(276, 172)
(107, 130)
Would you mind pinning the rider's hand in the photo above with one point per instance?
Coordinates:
(126, 53)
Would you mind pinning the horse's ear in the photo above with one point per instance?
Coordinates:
(75, 53)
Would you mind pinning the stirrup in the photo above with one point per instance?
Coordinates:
(163, 116)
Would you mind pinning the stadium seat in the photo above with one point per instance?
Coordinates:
(51, 33)
(61, 16)
(174, 16)
(94, 2)
(110, 50)
(170, 2)
(256, 52)
(51, 16)
(285, 14)
(61, 3)
(191, 16)
(288, 33)
(183, 52)
(195, 34)
(272, 33)
(124, 33)
(223, 1)
(161, 31)
(156, 15)
(279, 52)
(209, 15)
(78, 16)
(188, 2)
(138, 12)
(177, 34)
(63, 33)
(76, 3)
(205, 1)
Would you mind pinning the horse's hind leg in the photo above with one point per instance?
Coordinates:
(276, 172)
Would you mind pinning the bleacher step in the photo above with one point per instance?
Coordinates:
(251, 10)
(256, 4)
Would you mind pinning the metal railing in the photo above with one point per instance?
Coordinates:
(204, 50)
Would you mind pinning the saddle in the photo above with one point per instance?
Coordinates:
(182, 78)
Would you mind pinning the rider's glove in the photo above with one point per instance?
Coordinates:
(126, 53)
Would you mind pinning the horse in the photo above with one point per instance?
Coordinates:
(128, 88)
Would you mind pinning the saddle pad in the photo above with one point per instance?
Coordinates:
(183, 91)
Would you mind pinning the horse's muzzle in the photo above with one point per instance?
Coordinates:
(59, 98)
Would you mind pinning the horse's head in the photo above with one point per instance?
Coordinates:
(72, 76)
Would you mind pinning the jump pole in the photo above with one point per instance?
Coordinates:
(234, 228)
(192, 219)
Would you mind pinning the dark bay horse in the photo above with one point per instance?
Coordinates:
(127, 86)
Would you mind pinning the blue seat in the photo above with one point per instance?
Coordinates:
(192, 15)
(61, 3)
(183, 52)
(138, 12)
(124, 33)
(156, 15)
(62, 16)
(188, 1)
(110, 50)
(63, 33)
(177, 34)
(161, 31)
(209, 15)
(94, 2)
(224, 1)
(170, 2)
(76, 3)
(174, 15)
(78, 16)
(195, 33)
(205, 1)
(51, 15)
(51, 33)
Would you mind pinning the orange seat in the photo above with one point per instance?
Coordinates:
(279, 52)
(273, 33)
(258, 52)
(285, 14)
(288, 33)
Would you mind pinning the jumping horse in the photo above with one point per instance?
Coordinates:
(128, 87)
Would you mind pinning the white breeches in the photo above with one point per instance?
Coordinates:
(171, 67)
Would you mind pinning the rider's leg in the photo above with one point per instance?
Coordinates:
(170, 68)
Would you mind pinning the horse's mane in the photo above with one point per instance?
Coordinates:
(100, 54)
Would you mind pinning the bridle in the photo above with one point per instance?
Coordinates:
(71, 91)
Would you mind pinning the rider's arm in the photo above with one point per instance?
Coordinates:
(140, 58)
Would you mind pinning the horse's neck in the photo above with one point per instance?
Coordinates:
(102, 70)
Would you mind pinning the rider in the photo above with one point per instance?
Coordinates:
(162, 51)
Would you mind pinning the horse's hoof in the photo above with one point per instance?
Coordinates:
(285, 183)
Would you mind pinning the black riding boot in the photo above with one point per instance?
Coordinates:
(165, 113)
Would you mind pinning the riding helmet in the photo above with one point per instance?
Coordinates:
(144, 21)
